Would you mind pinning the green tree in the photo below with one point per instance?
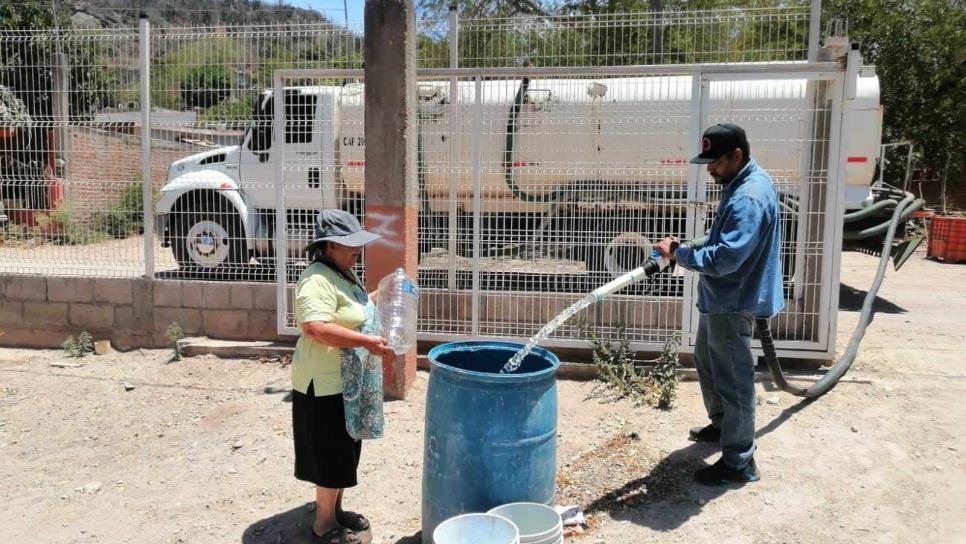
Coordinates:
(206, 86)
(919, 50)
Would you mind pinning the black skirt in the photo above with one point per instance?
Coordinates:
(325, 454)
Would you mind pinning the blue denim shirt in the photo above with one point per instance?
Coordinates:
(739, 264)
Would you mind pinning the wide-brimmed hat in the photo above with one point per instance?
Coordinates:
(341, 227)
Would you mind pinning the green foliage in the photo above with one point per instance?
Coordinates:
(620, 376)
(175, 335)
(661, 382)
(61, 227)
(235, 114)
(25, 63)
(80, 346)
(919, 50)
(205, 86)
(126, 217)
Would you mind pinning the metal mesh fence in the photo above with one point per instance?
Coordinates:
(788, 122)
(739, 34)
(67, 178)
(533, 188)
(210, 90)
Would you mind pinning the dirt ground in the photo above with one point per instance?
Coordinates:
(134, 448)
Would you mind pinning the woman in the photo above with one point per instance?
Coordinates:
(334, 313)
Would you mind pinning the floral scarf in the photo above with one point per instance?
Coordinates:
(362, 390)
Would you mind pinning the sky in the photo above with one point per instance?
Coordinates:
(333, 9)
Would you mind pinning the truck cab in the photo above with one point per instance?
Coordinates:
(217, 208)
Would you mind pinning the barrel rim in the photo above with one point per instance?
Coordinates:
(512, 525)
(489, 376)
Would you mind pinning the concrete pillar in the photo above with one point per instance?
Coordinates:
(391, 183)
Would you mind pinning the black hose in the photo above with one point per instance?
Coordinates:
(869, 211)
(511, 129)
(876, 230)
(841, 366)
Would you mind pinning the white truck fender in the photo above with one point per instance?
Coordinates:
(211, 180)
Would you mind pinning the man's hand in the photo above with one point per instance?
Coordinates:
(667, 246)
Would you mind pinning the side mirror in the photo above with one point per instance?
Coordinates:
(262, 157)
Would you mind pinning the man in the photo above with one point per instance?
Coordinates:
(740, 280)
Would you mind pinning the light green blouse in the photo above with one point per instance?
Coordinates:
(323, 295)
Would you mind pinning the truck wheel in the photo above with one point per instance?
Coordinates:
(211, 242)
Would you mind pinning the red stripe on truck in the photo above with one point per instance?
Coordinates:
(356, 163)
(858, 159)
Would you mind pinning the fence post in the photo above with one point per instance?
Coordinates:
(147, 188)
(814, 30)
(477, 167)
(454, 96)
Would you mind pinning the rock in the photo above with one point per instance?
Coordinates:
(232, 470)
(768, 502)
(102, 347)
(60, 364)
(128, 386)
(855, 429)
(774, 400)
(90, 488)
(634, 435)
(237, 445)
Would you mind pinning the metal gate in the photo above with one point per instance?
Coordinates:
(538, 184)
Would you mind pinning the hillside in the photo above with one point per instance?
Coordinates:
(125, 13)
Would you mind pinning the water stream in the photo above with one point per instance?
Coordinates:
(545, 331)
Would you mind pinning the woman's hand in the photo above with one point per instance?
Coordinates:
(378, 346)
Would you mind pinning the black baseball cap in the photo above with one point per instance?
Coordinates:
(719, 140)
(341, 227)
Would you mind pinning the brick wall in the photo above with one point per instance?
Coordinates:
(36, 311)
(104, 164)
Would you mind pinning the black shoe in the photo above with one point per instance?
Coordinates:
(721, 474)
(709, 434)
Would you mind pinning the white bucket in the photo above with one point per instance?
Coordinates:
(537, 523)
(476, 529)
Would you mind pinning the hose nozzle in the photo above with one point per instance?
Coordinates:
(654, 264)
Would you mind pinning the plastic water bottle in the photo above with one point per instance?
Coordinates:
(397, 311)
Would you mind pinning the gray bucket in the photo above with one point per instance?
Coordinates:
(537, 523)
(476, 529)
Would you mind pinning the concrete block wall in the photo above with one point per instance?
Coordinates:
(37, 311)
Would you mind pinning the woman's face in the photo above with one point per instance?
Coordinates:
(344, 257)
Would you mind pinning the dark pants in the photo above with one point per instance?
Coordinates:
(726, 371)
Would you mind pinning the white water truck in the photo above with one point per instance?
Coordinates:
(585, 162)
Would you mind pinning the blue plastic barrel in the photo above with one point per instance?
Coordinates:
(490, 438)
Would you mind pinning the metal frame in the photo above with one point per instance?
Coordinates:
(703, 76)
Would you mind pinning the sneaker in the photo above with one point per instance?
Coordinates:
(721, 474)
(709, 434)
